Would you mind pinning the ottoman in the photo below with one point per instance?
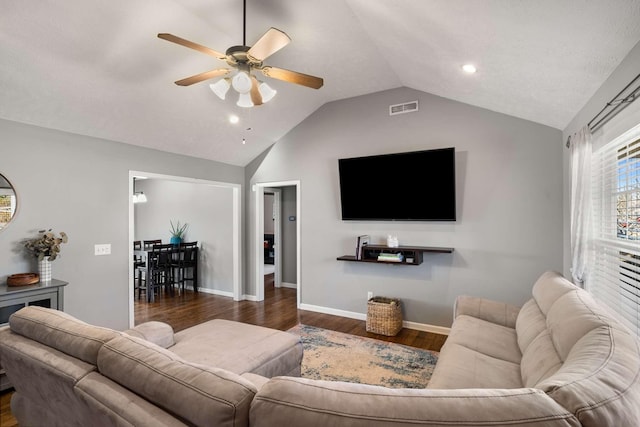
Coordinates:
(240, 348)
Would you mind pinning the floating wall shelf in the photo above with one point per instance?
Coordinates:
(411, 255)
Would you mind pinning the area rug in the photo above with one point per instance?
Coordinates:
(335, 356)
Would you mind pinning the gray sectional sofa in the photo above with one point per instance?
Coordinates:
(559, 360)
(69, 373)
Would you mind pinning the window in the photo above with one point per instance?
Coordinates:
(7, 206)
(615, 278)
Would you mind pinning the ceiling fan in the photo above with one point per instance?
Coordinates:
(243, 60)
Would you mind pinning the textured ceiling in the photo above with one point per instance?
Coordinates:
(98, 69)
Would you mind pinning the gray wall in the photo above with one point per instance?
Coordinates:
(509, 196)
(628, 118)
(80, 185)
(208, 211)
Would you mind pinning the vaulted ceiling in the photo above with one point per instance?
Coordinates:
(98, 69)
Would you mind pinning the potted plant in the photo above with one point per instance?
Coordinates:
(177, 232)
(46, 247)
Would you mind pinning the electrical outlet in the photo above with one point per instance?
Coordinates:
(104, 249)
(369, 295)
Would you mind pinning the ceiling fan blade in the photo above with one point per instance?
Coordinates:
(256, 97)
(191, 45)
(203, 76)
(270, 42)
(293, 77)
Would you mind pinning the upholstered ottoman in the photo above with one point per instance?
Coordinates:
(240, 348)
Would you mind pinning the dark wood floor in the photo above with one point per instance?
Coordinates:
(277, 311)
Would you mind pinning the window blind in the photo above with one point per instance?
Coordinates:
(615, 278)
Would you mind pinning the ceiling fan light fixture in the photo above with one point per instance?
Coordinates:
(241, 82)
(244, 100)
(220, 88)
(266, 92)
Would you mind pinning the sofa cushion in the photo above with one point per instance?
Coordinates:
(114, 406)
(539, 356)
(44, 379)
(240, 348)
(485, 337)
(492, 311)
(201, 395)
(571, 317)
(599, 380)
(540, 360)
(61, 331)
(461, 367)
(531, 322)
(286, 401)
(548, 288)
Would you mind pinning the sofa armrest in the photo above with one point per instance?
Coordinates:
(492, 311)
(304, 402)
(158, 333)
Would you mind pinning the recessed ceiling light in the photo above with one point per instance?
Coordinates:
(234, 119)
(469, 68)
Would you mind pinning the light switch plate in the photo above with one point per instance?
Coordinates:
(103, 249)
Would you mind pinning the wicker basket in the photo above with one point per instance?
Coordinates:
(384, 316)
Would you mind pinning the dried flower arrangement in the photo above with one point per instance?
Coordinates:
(46, 245)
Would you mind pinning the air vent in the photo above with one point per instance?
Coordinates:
(407, 107)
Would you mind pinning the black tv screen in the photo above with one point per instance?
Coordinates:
(413, 186)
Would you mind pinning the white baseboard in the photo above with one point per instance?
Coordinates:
(288, 285)
(442, 330)
(363, 316)
(333, 311)
(249, 297)
(215, 292)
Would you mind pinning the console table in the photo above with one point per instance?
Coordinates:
(13, 298)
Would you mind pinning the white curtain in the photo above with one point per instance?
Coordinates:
(580, 204)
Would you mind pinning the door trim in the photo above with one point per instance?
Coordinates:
(258, 242)
(236, 230)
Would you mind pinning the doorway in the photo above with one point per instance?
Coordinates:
(232, 247)
(286, 235)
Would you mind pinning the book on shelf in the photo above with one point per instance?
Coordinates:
(360, 243)
(386, 257)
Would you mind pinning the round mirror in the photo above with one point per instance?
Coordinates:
(8, 202)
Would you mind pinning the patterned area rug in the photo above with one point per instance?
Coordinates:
(330, 355)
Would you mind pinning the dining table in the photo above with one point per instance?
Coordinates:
(176, 252)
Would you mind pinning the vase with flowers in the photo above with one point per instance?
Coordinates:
(46, 247)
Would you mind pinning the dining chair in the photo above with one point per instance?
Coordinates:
(160, 269)
(148, 244)
(188, 261)
(139, 268)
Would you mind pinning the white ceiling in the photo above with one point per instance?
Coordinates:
(98, 69)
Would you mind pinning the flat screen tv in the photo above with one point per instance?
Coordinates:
(413, 186)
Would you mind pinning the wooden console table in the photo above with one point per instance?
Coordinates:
(13, 298)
